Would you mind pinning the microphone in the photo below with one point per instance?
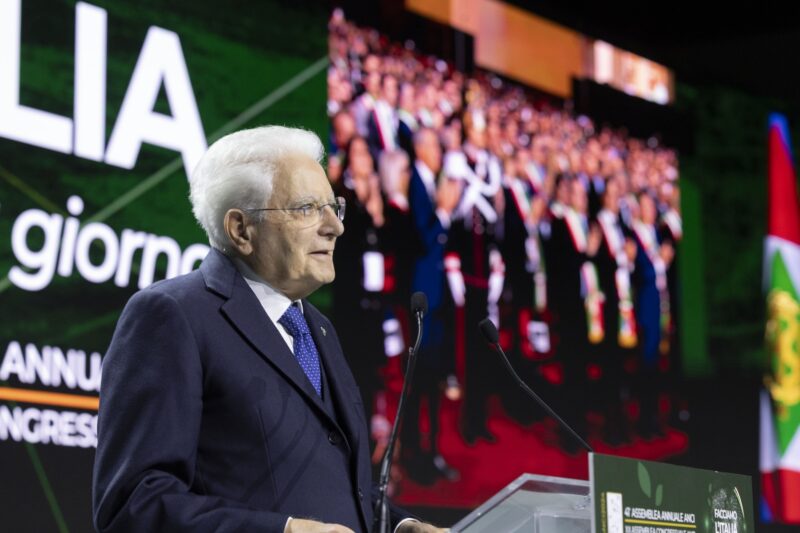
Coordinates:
(489, 331)
(419, 303)
(419, 307)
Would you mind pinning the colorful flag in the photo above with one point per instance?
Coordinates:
(779, 460)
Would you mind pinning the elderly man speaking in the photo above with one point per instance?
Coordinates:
(226, 403)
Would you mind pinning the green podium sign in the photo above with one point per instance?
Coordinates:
(632, 496)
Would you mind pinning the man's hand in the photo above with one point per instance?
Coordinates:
(538, 207)
(667, 253)
(630, 250)
(448, 194)
(419, 527)
(593, 240)
(298, 525)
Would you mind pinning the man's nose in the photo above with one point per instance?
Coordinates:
(331, 225)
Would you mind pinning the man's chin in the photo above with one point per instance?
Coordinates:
(328, 278)
(323, 278)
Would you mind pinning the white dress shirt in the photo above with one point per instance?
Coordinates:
(274, 302)
(429, 181)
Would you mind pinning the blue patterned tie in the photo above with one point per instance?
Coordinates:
(305, 351)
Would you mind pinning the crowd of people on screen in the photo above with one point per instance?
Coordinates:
(496, 203)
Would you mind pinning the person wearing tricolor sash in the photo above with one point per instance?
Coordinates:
(475, 270)
(383, 123)
(400, 246)
(671, 231)
(524, 291)
(576, 310)
(358, 294)
(432, 201)
(614, 261)
(362, 106)
(407, 123)
(652, 311)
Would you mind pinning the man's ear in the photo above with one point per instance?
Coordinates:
(240, 233)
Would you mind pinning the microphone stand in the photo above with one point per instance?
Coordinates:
(490, 332)
(386, 464)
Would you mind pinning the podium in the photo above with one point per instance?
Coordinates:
(535, 504)
(621, 496)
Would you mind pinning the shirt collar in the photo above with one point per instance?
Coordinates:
(274, 302)
(427, 177)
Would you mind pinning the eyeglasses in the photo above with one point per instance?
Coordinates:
(311, 212)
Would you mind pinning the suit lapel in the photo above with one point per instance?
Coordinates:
(248, 317)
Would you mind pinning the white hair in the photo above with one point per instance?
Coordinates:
(237, 171)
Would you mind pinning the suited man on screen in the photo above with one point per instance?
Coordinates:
(227, 404)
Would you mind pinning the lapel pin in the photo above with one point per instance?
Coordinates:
(324, 333)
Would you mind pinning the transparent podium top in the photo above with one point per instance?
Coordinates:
(533, 503)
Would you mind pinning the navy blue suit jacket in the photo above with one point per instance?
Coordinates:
(647, 304)
(208, 423)
(428, 274)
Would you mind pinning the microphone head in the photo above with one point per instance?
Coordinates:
(419, 303)
(489, 330)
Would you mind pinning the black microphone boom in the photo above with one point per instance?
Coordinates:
(489, 331)
(419, 307)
